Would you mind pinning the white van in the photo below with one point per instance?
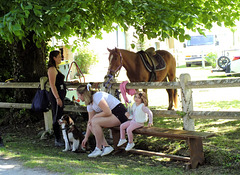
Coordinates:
(197, 48)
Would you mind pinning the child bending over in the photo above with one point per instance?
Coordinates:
(139, 117)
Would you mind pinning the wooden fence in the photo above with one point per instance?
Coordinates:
(185, 85)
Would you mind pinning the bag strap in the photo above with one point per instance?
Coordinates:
(39, 86)
(46, 83)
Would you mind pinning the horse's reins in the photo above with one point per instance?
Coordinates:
(114, 72)
(109, 81)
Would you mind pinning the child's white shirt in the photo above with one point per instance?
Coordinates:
(141, 113)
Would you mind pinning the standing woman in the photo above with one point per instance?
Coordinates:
(57, 93)
(104, 111)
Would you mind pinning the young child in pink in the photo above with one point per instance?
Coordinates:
(138, 118)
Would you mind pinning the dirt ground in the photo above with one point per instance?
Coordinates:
(13, 167)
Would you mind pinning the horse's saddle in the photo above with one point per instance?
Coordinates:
(152, 60)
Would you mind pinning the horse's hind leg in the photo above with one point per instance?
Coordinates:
(170, 98)
(172, 95)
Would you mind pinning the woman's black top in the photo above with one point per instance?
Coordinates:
(60, 85)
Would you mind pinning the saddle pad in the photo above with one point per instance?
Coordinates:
(156, 63)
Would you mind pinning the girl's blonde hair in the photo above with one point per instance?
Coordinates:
(88, 94)
(143, 97)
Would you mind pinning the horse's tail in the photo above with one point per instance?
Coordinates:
(175, 95)
(175, 98)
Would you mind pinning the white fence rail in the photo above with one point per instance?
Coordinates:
(185, 85)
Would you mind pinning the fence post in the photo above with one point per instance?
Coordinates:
(187, 102)
(47, 115)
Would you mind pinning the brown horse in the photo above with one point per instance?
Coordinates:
(137, 72)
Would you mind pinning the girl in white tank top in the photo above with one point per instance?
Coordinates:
(140, 115)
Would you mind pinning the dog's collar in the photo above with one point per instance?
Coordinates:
(67, 127)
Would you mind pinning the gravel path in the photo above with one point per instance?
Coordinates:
(13, 167)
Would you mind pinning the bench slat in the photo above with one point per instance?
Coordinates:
(151, 153)
(170, 133)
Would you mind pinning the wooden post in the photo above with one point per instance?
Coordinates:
(47, 115)
(196, 152)
(187, 102)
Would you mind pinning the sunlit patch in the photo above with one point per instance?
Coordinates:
(7, 167)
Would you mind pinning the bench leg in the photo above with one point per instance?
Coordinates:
(196, 152)
(116, 137)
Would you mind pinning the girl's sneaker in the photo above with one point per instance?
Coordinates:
(129, 146)
(121, 142)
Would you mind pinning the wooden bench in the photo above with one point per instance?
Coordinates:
(193, 138)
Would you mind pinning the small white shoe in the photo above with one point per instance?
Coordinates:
(121, 142)
(129, 146)
(95, 153)
(66, 150)
(107, 150)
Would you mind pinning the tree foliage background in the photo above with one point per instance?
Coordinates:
(27, 25)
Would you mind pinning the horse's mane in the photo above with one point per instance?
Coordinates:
(124, 51)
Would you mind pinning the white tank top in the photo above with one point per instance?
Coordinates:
(97, 97)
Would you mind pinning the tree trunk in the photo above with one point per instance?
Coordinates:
(29, 64)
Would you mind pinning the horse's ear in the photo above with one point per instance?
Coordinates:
(116, 50)
(109, 50)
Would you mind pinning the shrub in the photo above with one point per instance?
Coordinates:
(85, 58)
(211, 59)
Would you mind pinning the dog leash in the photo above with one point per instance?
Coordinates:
(67, 136)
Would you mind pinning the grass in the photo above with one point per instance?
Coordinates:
(35, 153)
(224, 76)
(234, 104)
(221, 152)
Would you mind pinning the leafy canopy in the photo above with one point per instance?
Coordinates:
(86, 18)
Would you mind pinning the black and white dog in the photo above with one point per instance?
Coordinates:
(70, 133)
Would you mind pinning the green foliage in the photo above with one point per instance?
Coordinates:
(156, 18)
(85, 58)
(17, 117)
(5, 62)
(6, 72)
(211, 59)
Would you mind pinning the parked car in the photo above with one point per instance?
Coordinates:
(194, 60)
(235, 64)
(227, 65)
(197, 48)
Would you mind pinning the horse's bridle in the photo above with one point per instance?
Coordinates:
(111, 76)
(118, 68)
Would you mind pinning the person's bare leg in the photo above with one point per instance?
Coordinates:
(133, 125)
(98, 123)
(123, 129)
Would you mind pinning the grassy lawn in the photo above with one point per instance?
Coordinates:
(221, 152)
